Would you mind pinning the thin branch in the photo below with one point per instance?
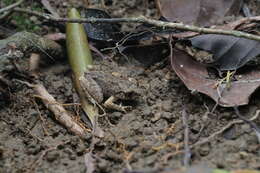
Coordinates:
(239, 22)
(142, 19)
(10, 7)
(5, 15)
(206, 140)
(187, 152)
(39, 159)
(252, 124)
(60, 114)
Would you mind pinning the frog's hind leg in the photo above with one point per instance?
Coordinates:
(110, 104)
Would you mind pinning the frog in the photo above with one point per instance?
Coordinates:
(105, 89)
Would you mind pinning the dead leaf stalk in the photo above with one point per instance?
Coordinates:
(187, 152)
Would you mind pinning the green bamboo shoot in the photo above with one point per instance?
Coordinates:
(80, 59)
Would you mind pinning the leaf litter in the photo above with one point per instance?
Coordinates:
(199, 12)
(196, 77)
(230, 53)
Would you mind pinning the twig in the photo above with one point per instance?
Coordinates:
(142, 19)
(26, 131)
(238, 23)
(206, 140)
(5, 15)
(45, 131)
(37, 162)
(33, 135)
(59, 112)
(252, 124)
(34, 64)
(10, 7)
(89, 161)
(187, 153)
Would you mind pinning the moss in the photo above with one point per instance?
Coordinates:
(23, 21)
(8, 2)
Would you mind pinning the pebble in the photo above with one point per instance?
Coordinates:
(52, 156)
(204, 150)
(147, 131)
(167, 105)
(102, 165)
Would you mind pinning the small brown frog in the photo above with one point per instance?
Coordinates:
(104, 89)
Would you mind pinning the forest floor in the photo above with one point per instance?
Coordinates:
(149, 137)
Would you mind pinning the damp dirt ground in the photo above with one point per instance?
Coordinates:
(148, 138)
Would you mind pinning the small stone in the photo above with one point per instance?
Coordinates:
(156, 117)
(168, 116)
(33, 112)
(167, 105)
(102, 165)
(52, 156)
(72, 157)
(68, 151)
(33, 149)
(116, 115)
(110, 155)
(146, 111)
(243, 155)
(204, 150)
(130, 143)
(147, 131)
(161, 125)
(33, 18)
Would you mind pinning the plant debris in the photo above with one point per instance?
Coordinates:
(200, 12)
(196, 77)
(229, 53)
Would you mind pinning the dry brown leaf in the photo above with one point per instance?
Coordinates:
(195, 77)
(198, 12)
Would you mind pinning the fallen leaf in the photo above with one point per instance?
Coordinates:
(230, 52)
(111, 33)
(101, 31)
(196, 78)
(199, 12)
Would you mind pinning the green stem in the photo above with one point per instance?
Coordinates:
(79, 58)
